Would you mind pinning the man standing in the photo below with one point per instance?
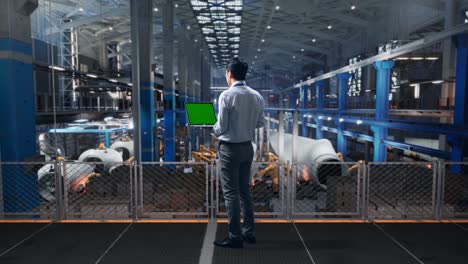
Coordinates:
(240, 113)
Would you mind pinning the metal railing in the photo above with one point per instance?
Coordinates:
(190, 190)
(269, 191)
(327, 190)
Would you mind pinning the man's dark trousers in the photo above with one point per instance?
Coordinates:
(235, 161)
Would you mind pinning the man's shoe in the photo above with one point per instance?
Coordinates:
(249, 239)
(229, 243)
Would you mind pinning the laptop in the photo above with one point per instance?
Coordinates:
(201, 114)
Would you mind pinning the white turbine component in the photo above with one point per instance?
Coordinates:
(109, 157)
(125, 148)
(46, 177)
(310, 152)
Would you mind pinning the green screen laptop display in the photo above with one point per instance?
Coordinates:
(200, 114)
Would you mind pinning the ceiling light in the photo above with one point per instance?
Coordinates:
(432, 58)
(81, 9)
(320, 117)
(259, 50)
(92, 92)
(341, 120)
(277, 7)
(359, 122)
(263, 40)
(176, 5)
(155, 9)
(188, 27)
(314, 40)
(256, 56)
(196, 40)
(353, 7)
(111, 28)
(294, 57)
(113, 80)
(94, 76)
(417, 58)
(302, 50)
(438, 82)
(330, 27)
(130, 84)
(329, 118)
(268, 27)
(402, 58)
(57, 68)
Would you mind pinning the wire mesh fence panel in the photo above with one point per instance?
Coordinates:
(27, 191)
(454, 189)
(326, 190)
(268, 186)
(174, 190)
(401, 190)
(97, 190)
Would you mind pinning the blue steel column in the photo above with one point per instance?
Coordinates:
(460, 118)
(319, 97)
(17, 107)
(182, 73)
(342, 106)
(305, 105)
(169, 89)
(383, 69)
(143, 80)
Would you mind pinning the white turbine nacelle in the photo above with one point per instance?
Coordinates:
(125, 148)
(312, 153)
(73, 172)
(110, 158)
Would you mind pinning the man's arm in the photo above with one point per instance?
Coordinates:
(223, 117)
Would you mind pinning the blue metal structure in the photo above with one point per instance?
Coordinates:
(305, 105)
(342, 105)
(460, 118)
(319, 97)
(106, 133)
(17, 109)
(169, 125)
(383, 69)
(148, 121)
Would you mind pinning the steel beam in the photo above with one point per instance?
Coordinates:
(460, 118)
(143, 82)
(410, 47)
(383, 69)
(305, 105)
(343, 79)
(319, 97)
(169, 89)
(19, 191)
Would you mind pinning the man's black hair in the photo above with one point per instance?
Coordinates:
(238, 69)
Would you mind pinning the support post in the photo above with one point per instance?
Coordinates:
(460, 118)
(305, 104)
(319, 97)
(169, 89)
(182, 73)
(143, 80)
(17, 107)
(343, 79)
(383, 69)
